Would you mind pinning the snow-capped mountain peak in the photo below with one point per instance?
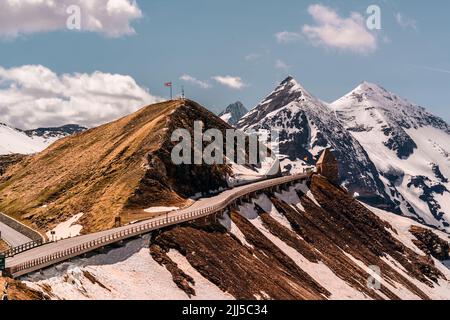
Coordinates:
(388, 107)
(372, 95)
(291, 84)
(306, 126)
(293, 87)
(369, 86)
(288, 94)
(408, 145)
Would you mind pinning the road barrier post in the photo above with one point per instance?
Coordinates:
(2, 262)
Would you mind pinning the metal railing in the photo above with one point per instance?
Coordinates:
(24, 247)
(142, 228)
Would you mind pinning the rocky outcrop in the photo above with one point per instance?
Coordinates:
(16, 290)
(328, 166)
(429, 192)
(368, 236)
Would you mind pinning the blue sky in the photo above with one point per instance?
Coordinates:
(205, 39)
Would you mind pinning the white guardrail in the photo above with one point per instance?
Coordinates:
(142, 228)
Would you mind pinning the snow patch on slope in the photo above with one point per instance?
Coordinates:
(67, 229)
(127, 273)
(14, 141)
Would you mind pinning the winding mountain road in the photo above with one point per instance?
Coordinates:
(55, 252)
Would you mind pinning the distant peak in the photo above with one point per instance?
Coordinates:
(369, 86)
(289, 83)
(289, 79)
(233, 113)
(237, 104)
(292, 86)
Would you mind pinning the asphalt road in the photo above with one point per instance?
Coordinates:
(12, 237)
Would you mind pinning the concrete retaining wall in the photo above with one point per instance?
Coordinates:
(19, 227)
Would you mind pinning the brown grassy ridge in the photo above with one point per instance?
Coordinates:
(119, 168)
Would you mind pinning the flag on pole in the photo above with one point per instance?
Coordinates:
(169, 84)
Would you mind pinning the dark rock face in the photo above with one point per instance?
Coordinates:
(400, 142)
(437, 172)
(233, 113)
(429, 190)
(287, 92)
(430, 243)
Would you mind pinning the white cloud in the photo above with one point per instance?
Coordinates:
(109, 17)
(336, 32)
(195, 81)
(281, 65)
(33, 96)
(287, 36)
(405, 22)
(252, 57)
(229, 81)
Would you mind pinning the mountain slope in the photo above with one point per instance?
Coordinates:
(118, 169)
(313, 241)
(409, 147)
(233, 113)
(14, 141)
(306, 127)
